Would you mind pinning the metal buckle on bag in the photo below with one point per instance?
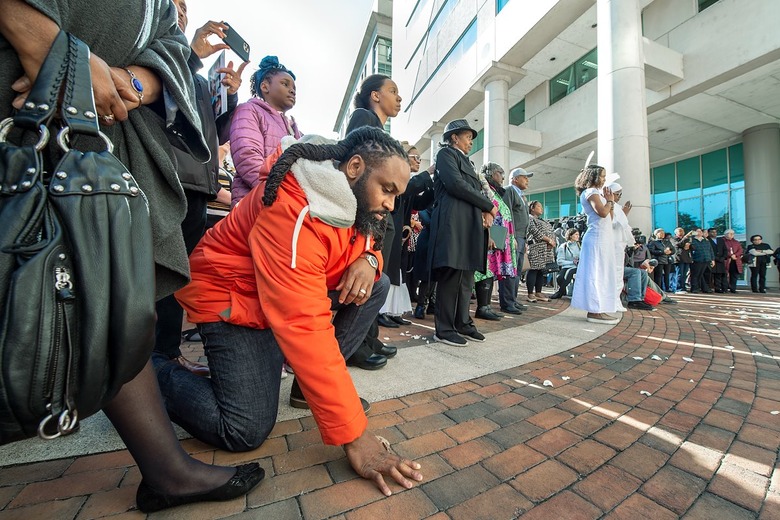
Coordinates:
(62, 140)
(66, 423)
(8, 123)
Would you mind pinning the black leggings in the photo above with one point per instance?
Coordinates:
(534, 279)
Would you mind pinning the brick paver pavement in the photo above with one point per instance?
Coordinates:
(670, 414)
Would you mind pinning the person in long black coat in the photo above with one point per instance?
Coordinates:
(461, 217)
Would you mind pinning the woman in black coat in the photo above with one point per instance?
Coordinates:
(459, 238)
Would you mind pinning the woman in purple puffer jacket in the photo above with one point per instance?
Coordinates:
(260, 123)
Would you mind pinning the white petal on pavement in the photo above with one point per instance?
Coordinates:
(645, 392)
(656, 358)
(689, 360)
(638, 358)
(565, 378)
(547, 382)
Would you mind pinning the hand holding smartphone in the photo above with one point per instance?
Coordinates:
(236, 43)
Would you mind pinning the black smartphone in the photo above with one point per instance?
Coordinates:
(237, 43)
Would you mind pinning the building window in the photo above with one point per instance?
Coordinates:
(517, 113)
(383, 58)
(500, 5)
(456, 52)
(704, 4)
(574, 76)
(557, 203)
(706, 190)
(479, 142)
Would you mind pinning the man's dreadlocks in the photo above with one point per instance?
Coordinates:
(372, 144)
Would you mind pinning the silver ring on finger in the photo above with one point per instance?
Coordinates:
(362, 291)
(108, 118)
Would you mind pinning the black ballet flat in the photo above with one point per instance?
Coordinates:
(247, 476)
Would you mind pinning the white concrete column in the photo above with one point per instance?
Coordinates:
(496, 121)
(622, 107)
(436, 138)
(761, 145)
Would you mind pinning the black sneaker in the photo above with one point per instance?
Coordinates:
(640, 305)
(475, 335)
(452, 339)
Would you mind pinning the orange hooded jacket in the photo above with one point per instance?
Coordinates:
(272, 267)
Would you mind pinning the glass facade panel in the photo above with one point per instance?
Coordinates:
(688, 178)
(517, 113)
(574, 76)
(714, 171)
(479, 142)
(664, 216)
(500, 5)
(689, 213)
(716, 211)
(568, 202)
(738, 211)
(664, 187)
(704, 4)
(552, 204)
(736, 167)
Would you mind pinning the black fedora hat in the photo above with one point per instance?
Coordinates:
(458, 125)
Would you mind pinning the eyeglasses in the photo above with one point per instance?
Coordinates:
(415, 157)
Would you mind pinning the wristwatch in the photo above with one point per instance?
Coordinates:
(372, 260)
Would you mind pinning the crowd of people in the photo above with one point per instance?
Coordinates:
(298, 254)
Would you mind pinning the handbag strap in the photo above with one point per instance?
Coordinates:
(78, 104)
(41, 102)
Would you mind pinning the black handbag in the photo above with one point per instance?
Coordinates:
(76, 262)
(552, 267)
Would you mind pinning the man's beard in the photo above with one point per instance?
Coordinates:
(365, 220)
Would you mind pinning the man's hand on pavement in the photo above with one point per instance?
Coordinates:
(373, 462)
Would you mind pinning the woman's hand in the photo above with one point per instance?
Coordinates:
(487, 219)
(201, 45)
(110, 104)
(491, 244)
(609, 195)
(373, 462)
(232, 79)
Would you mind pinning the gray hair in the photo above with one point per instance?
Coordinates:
(728, 231)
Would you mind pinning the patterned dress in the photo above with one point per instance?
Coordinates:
(501, 263)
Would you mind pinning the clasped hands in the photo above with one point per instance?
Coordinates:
(489, 217)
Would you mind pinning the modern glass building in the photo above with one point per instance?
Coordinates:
(702, 191)
(680, 97)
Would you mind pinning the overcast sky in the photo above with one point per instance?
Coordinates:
(317, 39)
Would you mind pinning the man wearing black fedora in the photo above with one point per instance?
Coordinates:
(461, 217)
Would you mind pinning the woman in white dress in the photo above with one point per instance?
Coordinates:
(595, 288)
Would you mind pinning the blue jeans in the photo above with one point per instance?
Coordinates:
(635, 283)
(236, 408)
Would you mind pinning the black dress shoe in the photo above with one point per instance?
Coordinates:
(762, 291)
(511, 310)
(399, 320)
(247, 476)
(558, 295)
(298, 401)
(419, 312)
(385, 321)
(372, 362)
(388, 351)
(485, 313)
